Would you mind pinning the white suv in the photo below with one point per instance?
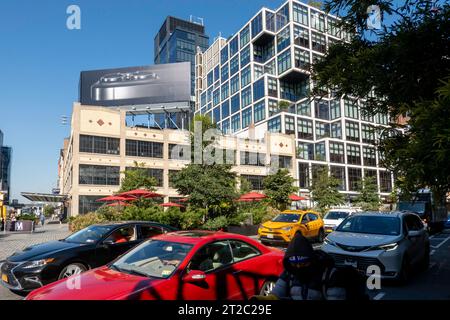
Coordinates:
(334, 217)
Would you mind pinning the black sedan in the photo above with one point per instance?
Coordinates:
(89, 248)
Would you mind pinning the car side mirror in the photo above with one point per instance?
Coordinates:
(194, 276)
(413, 233)
(108, 242)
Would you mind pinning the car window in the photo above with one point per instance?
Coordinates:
(312, 217)
(148, 231)
(305, 219)
(122, 235)
(336, 215)
(413, 223)
(242, 251)
(371, 225)
(211, 257)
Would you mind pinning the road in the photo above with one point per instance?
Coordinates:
(433, 284)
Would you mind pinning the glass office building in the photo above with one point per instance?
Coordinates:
(5, 168)
(178, 40)
(242, 80)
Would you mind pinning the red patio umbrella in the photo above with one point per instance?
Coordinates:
(295, 197)
(183, 200)
(171, 204)
(251, 196)
(141, 193)
(119, 203)
(114, 198)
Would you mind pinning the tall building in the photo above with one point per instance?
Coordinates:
(242, 80)
(177, 41)
(5, 169)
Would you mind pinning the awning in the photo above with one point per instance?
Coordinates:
(44, 197)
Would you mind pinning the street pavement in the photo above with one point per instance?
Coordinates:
(430, 285)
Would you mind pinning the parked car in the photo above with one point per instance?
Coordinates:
(395, 242)
(447, 223)
(184, 265)
(281, 229)
(334, 217)
(89, 248)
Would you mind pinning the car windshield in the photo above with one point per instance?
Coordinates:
(371, 225)
(153, 258)
(286, 217)
(418, 207)
(90, 234)
(336, 215)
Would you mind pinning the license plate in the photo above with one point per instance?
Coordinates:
(5, 278)
(270, 236)
(351, 263)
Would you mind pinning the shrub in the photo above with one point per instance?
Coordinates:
(141, 214)
(27, 217)
(82, 221)
(216, 223)
(192, 218)
(110, 213)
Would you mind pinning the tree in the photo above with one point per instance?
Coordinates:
(324, 190)
(368, 198)
(402, 69)
(278, 187)
(137, 178)
(245, 186)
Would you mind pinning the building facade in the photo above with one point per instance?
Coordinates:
(177, 41)
(242, 80)
(102, 145)
(5, 169)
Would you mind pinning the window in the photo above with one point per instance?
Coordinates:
(318, 42)
(337, 152)
(284, 61)
(305, 129)
(148, 231)
(352, 131)
(99, 175)
(368, 133)
(226, 126)
(335, 109)
(273, 107)
(365, 115)
(351, 109)
(322, 130)
(369, 157)
(317, 21)
(246, 117)
(301, 37)
(272, 87)
(234, 84)
(336, 130)
(305, 151)
(333, 28)
(179, 151)
(262, 53)
(283, 39)
(371, 173)
(235, 103)
(245, 56)
(339, 173)
(246, 96)
(282, 17)
(302, 59)
(353, 154)
(316, 168)
(245, 36)
(258, 89)
(210, 78)
(303, 175)
(236, 122)
(385, 181)
(354, 178)
(224, 55)
(88, 204)
(260, 111)
(381, 119)
(255, 181)
(270, 21)
(289, 124)
(102, 145)
(321, 154)
(225, 91)
(172, 175)
(245, 77)
(304, 108)
(211, 257)
(234, 65)
(274, 125)
(224, 73)
(234, 46)
(225, 109)
(216, 73)
(269, 68)
(253, 159)
(137, 148)
(258, 71)
(257, 25)
(322, 109)
(158, 173)
(216, 97)
(243, 251)
(216, 114)
(300, 14)
(282, 162)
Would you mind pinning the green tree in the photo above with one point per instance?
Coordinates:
(49, 210)
(137, 178)
(368, 198)
(402, 69)
(324, 190)
(278, 187)
(245, 186)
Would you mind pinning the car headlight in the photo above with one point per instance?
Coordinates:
(387, 247)
(286, 228)
(330, 242)
(37, 263)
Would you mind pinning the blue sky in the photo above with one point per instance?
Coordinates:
(40, 61)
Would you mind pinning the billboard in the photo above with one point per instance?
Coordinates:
(156, 84)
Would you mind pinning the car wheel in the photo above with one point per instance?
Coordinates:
(321, 236)
(405, 272)
(71, 270)
(267, 288)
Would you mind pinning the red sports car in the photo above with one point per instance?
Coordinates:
(191, 265)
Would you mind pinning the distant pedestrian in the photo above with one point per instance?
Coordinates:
(42, 218)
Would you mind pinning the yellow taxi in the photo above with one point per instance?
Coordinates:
(282, 228)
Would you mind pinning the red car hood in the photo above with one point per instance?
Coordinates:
(98, 284)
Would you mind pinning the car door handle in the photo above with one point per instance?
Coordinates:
(237, 271)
